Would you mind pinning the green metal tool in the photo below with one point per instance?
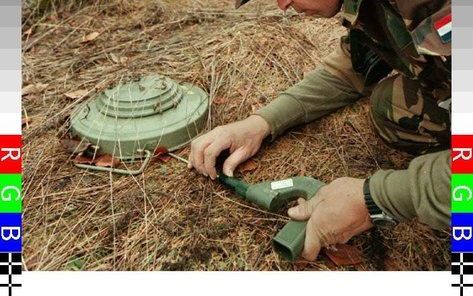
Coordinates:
(272, 196)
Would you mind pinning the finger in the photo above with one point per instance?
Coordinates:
(301, 211)
(210, 157)
(313, 243)
(236, 158)
(198, 156)
(190, 161)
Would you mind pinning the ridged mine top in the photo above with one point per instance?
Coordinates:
(143, 97)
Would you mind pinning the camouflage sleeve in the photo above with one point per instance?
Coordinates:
(321, 92)
(422, 190)
(430, 25)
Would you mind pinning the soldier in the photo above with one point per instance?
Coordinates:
(397, 52)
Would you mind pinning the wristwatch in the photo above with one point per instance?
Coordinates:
(377, 215)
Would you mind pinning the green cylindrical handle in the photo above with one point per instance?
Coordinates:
(272, 196)
(289, 241)
(235, 184)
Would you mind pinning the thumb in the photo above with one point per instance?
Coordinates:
(313, 242)
(237, 157)
(301, 211)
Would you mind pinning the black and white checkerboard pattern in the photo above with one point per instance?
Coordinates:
(10, 270)
(462, 265)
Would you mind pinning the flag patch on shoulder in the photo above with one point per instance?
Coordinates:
(444, 28)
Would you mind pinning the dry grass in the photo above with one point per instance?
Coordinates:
(170, 218)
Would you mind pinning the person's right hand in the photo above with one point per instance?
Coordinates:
(243, 138)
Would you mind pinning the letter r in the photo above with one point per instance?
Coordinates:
(462, 153)
(12, 153)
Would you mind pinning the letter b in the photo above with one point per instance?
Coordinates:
(466, 233)
(10, 233)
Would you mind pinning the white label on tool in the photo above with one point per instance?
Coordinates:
(282, 184)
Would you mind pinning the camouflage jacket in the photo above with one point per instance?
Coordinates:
(410, 36)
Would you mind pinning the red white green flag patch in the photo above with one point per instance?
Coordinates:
(444, 28)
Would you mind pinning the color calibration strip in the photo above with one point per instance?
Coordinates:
(10, 146)
(462, 146)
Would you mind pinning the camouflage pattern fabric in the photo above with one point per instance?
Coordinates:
(417, 16)
(403, 34)
(407, 116)
(405, 113)
(404, 107)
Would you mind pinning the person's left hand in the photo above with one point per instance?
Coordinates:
(336, 213)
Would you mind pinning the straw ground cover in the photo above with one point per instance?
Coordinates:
(170, 218)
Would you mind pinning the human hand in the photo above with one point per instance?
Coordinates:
(336, 213)
(243, 138)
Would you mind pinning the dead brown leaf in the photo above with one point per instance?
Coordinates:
(301, 264)
(107, 160)
(81, 159)
(75, 146)
(343, 255)
(33, 88)
(160, 153)
(248, 166)
(90, 37)
(76, 94)
(165, 158)
(220, 100)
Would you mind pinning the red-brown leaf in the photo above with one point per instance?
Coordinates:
(165, 158)
(343, 255)
(75, 146)
(220, 100)
(81, 159)
(248, 166)
(160, 151)
(161, 154)
(106, 160)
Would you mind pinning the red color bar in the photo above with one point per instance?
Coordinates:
(10, 154)
(462, 154)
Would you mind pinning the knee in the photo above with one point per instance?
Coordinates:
(381, 107)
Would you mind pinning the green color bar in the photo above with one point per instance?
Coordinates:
(462, 193)
(10, 193)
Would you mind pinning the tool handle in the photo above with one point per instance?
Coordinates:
(239, 186)
(289, 241)
(275, 195)
(272, 196)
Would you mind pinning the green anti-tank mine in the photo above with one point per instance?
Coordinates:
(138, 116)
